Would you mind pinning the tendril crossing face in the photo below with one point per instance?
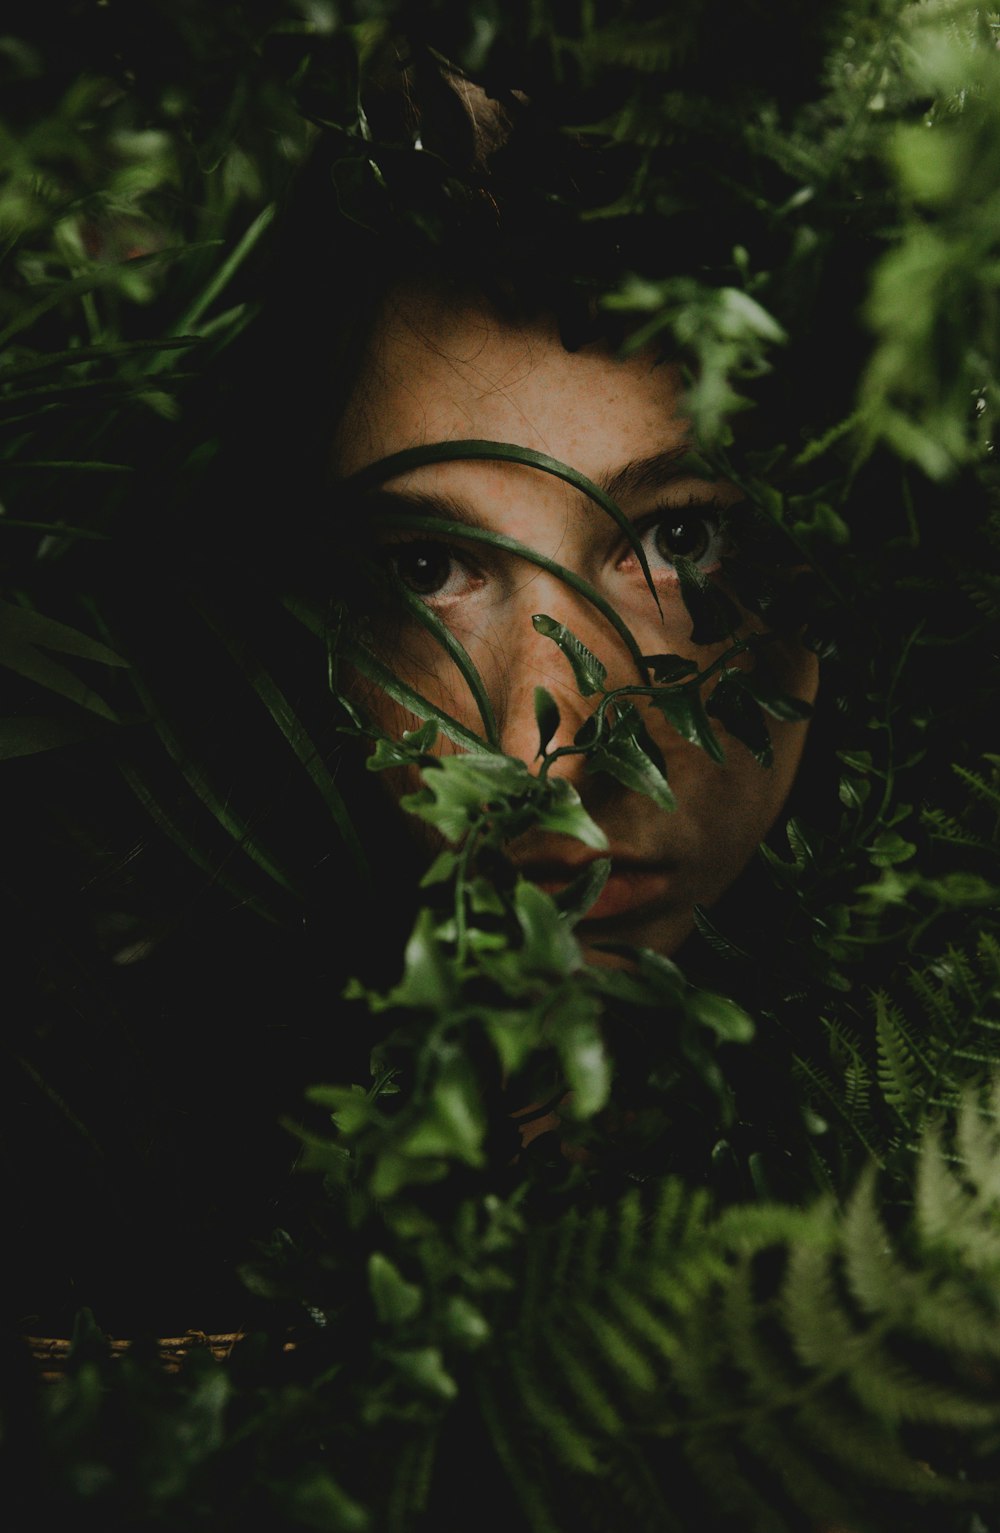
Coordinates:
(445, 370)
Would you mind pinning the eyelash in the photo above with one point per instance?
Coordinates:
(708, 515)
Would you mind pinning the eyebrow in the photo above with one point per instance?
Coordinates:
(447, 507)
(636, 477)
(643, 474)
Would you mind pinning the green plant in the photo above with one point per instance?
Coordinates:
(754, 1267)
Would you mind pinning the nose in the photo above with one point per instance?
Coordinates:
(528, 659)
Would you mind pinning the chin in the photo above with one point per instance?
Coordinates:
(662, 933)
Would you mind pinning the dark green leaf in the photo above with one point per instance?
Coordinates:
(546, 717)
(589, 673)
(714, 615)
(627, 754)
(395, 1300)
(668, 668)
(684, 708)
(739, 713)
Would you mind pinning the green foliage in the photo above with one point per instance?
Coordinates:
(752, 1267)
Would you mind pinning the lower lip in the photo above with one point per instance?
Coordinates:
(628, 892)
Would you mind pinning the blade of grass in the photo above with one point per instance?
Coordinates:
(147, 798)
(79, 465)
(295, 733)
(373, 669)
(477, 449)
(225, 273)
(460, 531)
(80, 354)
(461, 657)
(232, 823)
(75, 287)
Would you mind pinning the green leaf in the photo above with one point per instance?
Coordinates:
(890, 849)
(548, 945)
(574, 1027)
(669, 668)
(627, 754)
(440, 870)
(457, 790)
(26, 735)
(732, 703)
(714, 615)
(684, 708)
(729, 1022)
(428, 979)
(562, 811)
(590, 674)
(546, 717)
(465, 1323)
(424, 1367)
(779, 704)
(396, 1301)
(452, 1122)
(22, 625)
(576, 899)
(315, 1500)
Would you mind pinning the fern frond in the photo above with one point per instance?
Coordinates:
(988, 792)
(900, 1067)
(785, 1357)
(944, 827)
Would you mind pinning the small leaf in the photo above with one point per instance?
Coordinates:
(629, 755)
(890, 849)
(714, 616)
(548, 946)
(576, 899)
(546, 717)
(427, 976)
(739, 713)
(858, 761)
(424, 1367)
(440, 870)
(779, 704)
(562, 811)
(465, 1323)
(395, 1300)
(453, 1122)
(685, 710)
(729, 1022)
(588, 671)
(315, 1500)
(576, 1034)
(668, 668)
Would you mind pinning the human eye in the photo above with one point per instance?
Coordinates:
(430, 569)
(692, 532)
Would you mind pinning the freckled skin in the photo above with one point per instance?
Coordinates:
(441, 370)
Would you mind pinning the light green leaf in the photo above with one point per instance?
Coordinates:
(395, 1300)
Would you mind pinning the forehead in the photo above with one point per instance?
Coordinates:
(441, 368)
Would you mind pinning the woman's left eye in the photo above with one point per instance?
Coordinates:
(682, 534)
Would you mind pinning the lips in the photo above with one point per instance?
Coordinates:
(634, 888)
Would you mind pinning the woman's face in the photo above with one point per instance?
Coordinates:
(441, 371)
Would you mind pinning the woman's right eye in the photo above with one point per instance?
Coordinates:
(429, 569)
